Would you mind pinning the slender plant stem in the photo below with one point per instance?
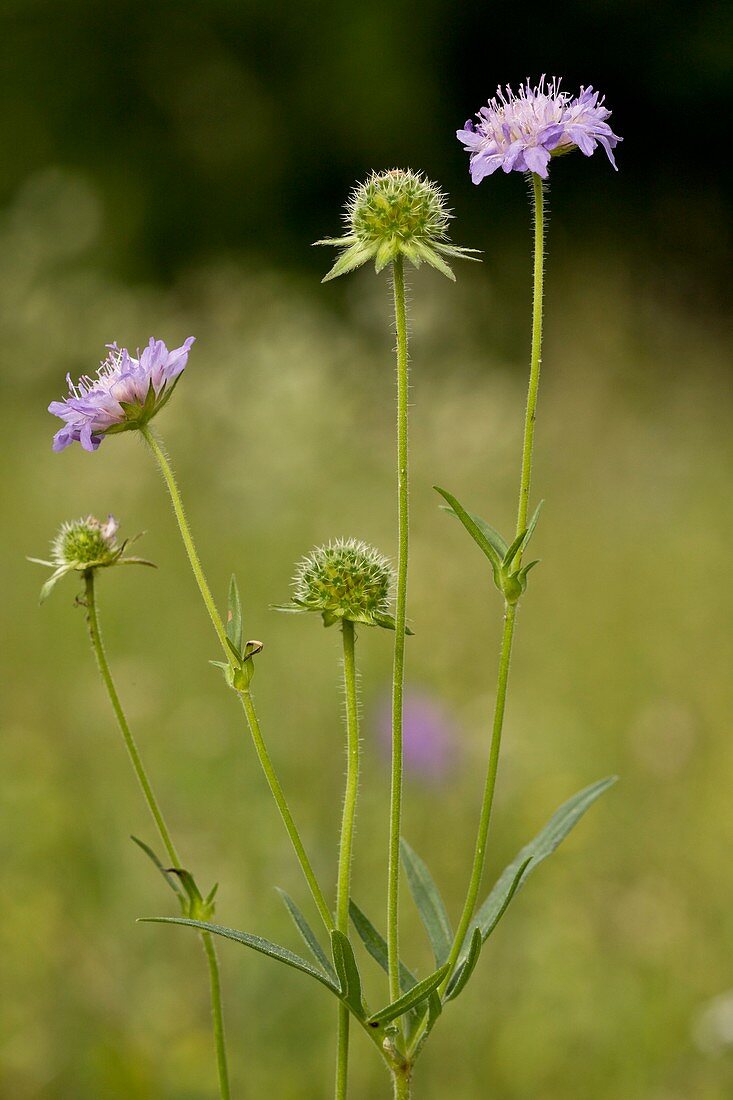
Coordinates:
(135, 759)
(247, 702)
(168, 476)
(282, 805)
(137, 764)
(510, 609)
(538, 206)
(395, 816)
(402, 1082)
(217, 1016)
(347, 836)
(479, 855)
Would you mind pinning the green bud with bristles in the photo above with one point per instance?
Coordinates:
(84, 545)
(345, 580)
(396, 213)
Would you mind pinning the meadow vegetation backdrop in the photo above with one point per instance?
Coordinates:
(166, 169)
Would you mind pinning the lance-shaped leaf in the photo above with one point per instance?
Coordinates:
(414, 997)
(264, 947)
(348, 973)
(532, 855)
(523, 538)
(308, 935)
(429, 903)
(234, 617)
(435, 1007)
(154, 859)
(467, 967)
(482, 533)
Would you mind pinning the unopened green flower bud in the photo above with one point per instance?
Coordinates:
(345, 580)
(396, 213)
(86, 542)
(84, 545)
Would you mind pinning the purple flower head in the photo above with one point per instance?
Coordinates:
(125, 393)
(429, 737)
(519, 132)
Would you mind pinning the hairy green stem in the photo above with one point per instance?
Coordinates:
(247, 703)
(538, 206)
(510, 609)
(395, 816)
(132, 750)
(402, 1083)
(217, 1016)
(152, 803)
(347, 836)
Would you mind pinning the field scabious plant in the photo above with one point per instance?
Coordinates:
(396, 218)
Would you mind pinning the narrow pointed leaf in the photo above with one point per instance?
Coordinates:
(526, 568)
(534, 853)
(349, 260)
(409, 1000)
(187, 882)
(154, 859)
(429, 903)
(430, 256)
(435, 1007)
(512, 550)
(308, 935)
(234, 615)
(348, 972)
(532, 524)
(376, 945)
(489, 540)
(467, 967)
(50, 584)
(264, 947)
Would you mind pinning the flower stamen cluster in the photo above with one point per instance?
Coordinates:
(395, 213)
(520, 131)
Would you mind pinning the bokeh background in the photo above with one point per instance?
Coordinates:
(165, 168)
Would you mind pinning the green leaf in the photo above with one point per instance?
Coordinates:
(154, 859)
(376, 945)
(512, 550)
(526, 568)
(435, 1007)
(429, 903)
(467, 967)
(264, 947)
(483, 534)
(234, 616)
(436, 260)
(387, 621)
(409, 1000)
(532, 524)
(533, 854)
(348, 973)
(188, 883)
(308, 934)
(50, 584)
(349, 260)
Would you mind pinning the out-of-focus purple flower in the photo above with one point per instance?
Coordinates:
(429, 738)
(125, 393)
(519, 132)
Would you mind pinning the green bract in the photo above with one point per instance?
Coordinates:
(396, 213)
(345, 580)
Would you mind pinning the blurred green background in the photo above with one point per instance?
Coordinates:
(165, 169)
